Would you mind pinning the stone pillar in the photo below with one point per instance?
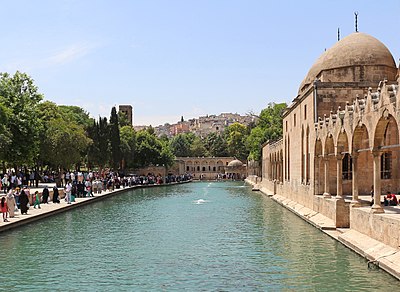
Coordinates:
(326, 178)
(316, 175)
(339, 177)
(354, 201)
(377, 208)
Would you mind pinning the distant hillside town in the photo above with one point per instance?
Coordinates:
(201, 126)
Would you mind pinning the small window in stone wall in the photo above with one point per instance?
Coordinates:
(305, 112)
(294, 120)
(214, 169)
(198, 168)
(204, 168)
(347, 167)
(187, 168)
(286, 126)
(386, 165)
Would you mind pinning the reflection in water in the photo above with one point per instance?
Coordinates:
(161, 239)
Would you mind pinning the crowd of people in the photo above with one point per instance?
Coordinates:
(74, 184)
(15, 200)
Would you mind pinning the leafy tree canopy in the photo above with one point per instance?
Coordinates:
(76, 114)
(269, 127)
(20, 96)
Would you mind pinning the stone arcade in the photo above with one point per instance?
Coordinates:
(341, 138)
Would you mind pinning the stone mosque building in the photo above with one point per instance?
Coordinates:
(341, 138)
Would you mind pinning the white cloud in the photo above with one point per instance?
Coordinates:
(69, 54)
(28, 62)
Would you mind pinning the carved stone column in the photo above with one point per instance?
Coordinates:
(317, 175)
(354, 160)
(339, 177)
(376, 207)
(326, 178)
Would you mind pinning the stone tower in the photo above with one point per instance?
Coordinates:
(128, 111)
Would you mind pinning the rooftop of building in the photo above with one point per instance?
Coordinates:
(354, 50)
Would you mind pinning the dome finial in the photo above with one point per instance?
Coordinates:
(356, 20)
(338, 33)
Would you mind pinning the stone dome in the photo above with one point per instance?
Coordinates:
(235, 163)
(354, 50)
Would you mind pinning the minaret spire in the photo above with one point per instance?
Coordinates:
(338, 34)
(356, 20)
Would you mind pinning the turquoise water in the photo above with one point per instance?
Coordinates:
(165, 239)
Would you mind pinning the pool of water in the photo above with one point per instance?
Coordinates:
(194, 237)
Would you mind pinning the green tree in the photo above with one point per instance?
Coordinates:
(128, 144)
(180, 145)
(115, 140)
(123, 119)
(254, 142)
(76, 114)
(236, 140)
(216, 145)
(98, 151)
(271, 120)
(197, 148)
(150, 150)
(166, 155)
(63, 140)
(47, 111)
(151, 130)
(5, 134)
(68, 141)
(268, 127)
(20, 96)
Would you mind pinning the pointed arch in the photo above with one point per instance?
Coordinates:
(386, 140)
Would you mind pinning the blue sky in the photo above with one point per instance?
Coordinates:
(170, 58)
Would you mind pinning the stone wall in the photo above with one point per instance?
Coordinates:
(156, 170)
(336, 210)
(380, 227)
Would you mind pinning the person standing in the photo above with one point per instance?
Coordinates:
(45, 195)
(72, 174)
(5, 182)
(55, 195)
(23, 202)
(13, 180)
(32, 179)
(4, 209)
(62, 178)
(67, 190)
(37, 178)
(88, 186)
(11, 204)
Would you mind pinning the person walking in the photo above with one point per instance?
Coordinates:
(4, 209)
(36, 199)
(11, 204)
